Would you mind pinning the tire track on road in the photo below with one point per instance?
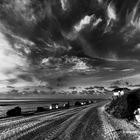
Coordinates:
(55, 131)
(18, 126)
(68, 133)
(44, 129)
(45, 126)
(86, 132)
(41, 123)
(26, 125)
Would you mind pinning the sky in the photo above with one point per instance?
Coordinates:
(63, 43)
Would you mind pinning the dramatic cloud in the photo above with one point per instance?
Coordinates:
(49, 40)
(11, 62)
(85, 21)
(111, 12)
(9, 58)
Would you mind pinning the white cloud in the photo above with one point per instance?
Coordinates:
(85, 21)
(21, 39)
(132, 18)
(20, 43)
(111, 12)
(64, 4)
(46, 61)
(96, 23)
(70, 64)
(9, 59)
(80, 66)
(128, 70)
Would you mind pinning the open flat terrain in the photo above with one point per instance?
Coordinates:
(88, 122)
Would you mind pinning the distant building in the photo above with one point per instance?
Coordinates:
(117, 92)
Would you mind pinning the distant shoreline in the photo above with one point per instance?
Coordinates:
(44, 100)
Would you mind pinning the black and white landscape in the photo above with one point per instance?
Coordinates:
(70, 69)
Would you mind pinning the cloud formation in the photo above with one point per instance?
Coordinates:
(55, 39)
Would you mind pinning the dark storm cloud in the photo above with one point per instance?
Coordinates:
(44, 22)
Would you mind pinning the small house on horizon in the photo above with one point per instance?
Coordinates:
(117, 92)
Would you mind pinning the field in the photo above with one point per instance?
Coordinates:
(31, 105)
(86, 122)
(27, 105)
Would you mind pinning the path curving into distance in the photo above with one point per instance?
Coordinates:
(81, 123)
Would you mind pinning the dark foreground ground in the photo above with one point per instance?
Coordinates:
(82, 123)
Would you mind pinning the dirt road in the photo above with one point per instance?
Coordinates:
(82, 123)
